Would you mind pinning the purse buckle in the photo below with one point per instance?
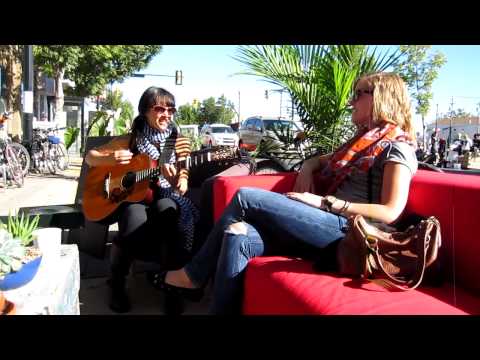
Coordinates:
(371, 242)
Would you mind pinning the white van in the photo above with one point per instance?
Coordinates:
(218, 134)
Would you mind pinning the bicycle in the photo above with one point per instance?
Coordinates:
(47, 152)
(23, 156)
(10, 166)
(60, 150)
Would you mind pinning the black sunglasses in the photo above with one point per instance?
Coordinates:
(359, 92)
(162, 109)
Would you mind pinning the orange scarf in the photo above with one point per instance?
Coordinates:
(360, 152)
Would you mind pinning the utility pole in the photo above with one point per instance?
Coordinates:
(27, 92)
(238, 107)
(450, 128)
(291, 98)
(436, 120)
(281, 95)
(478, 117)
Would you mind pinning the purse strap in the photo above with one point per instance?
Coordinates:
(370, 184)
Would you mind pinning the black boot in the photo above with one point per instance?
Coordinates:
(120, 265)
(119, 301)
(173, 305)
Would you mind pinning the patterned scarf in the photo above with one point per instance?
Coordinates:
(360, 152)
(160, 146)
(157, 144)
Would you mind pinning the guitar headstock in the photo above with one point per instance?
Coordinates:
(223, 153)
(221, 158)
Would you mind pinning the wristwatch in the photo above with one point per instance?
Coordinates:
(329, 200)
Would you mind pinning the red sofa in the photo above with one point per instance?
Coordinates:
(283, 285)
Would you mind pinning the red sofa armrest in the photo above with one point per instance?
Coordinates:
(225, 187)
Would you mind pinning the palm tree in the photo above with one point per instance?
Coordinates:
(319, 79)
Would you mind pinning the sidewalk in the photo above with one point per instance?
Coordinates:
(42, 189)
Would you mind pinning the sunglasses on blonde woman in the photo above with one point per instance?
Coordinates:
(359, 92)
(161, 109)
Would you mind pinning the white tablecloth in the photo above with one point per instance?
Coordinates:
(54, 289)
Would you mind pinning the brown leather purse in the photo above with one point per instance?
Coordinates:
(395, 260)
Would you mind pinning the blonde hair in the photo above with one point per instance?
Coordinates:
(391, 102)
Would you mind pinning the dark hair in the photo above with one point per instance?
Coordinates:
(150, 97)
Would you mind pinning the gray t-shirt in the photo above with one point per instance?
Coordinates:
(355, 186)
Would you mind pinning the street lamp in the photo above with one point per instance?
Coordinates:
(178, 76)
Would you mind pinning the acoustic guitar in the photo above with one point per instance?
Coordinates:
(107, 187)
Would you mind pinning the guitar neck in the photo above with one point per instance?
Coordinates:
(193, 161)
(188, 163)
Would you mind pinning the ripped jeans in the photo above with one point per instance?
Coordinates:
(274, 224)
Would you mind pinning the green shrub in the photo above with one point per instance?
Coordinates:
(71, 135)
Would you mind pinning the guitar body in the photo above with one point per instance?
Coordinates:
(103, 191)
(107, 187)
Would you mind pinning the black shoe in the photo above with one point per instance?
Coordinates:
(118, 298)
(158, 282)
(173, 304)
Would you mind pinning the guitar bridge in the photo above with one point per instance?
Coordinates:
(106, 186)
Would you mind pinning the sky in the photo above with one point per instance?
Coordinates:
(211, 70)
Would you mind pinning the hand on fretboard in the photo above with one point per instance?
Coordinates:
(182, 147)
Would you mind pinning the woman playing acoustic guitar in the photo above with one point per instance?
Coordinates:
(165, 219)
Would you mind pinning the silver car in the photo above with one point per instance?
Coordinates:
(257, 128)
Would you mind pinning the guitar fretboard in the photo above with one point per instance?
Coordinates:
(188, 163)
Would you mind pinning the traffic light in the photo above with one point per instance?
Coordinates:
(266, 94)
(178, 77)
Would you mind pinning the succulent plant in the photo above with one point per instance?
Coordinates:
(22, 227)
(15, 236)
(12, 252)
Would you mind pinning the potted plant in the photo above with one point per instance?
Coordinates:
(6, 307)
(19, 261)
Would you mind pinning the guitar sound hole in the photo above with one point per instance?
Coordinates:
(128, 180)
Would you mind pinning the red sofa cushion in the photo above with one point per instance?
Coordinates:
(225, 187)
(281, 285)
(454, 199)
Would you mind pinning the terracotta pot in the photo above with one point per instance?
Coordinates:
(2, 301)
(6, 307)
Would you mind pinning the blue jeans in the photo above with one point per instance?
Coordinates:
(276, 225)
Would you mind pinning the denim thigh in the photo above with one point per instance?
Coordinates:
(287, 225)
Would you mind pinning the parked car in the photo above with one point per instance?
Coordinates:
(257, 129)
(218, 134)
(189, 130)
